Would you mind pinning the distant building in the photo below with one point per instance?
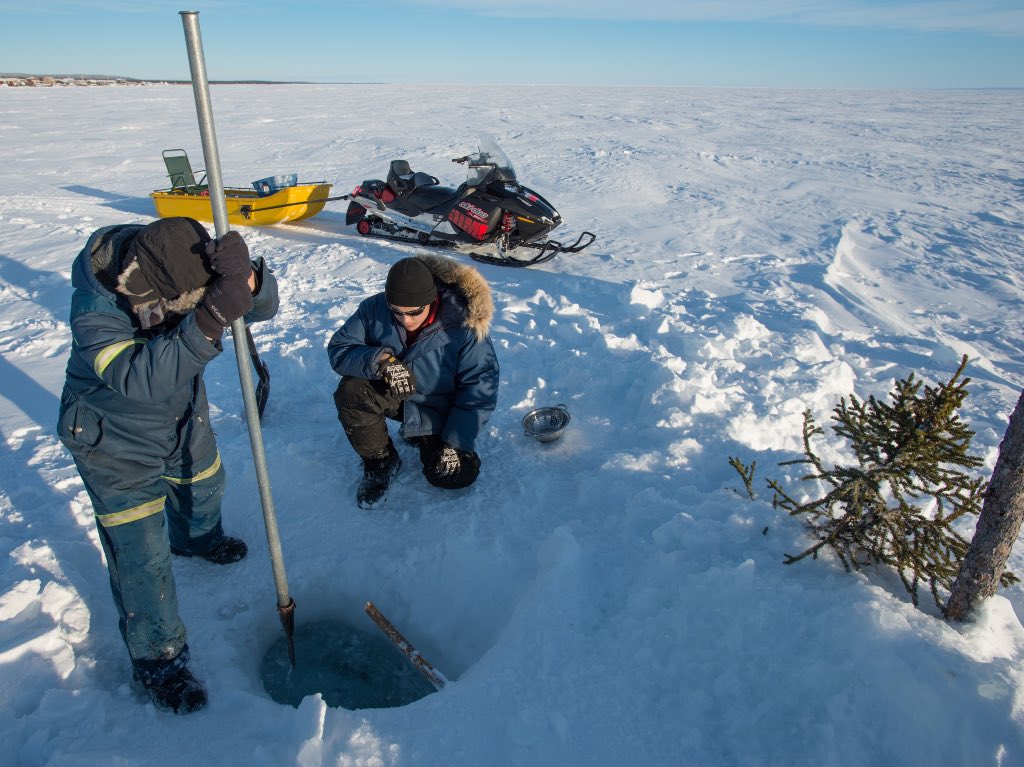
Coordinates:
(50, 81)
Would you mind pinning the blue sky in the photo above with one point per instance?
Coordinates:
(750, 43)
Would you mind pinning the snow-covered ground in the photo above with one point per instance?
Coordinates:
(612, 598)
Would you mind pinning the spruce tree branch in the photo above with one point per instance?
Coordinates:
(912, 480)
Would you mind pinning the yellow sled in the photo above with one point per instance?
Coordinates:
(246, 207)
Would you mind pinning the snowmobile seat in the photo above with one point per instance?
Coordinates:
(404, 182)
(431, 196)
(179, 170)
(400, 176)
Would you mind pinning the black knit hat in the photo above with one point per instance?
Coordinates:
(410, 283)
(165, 260)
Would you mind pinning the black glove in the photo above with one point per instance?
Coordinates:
(398, 377)
(448, 462)
(229, 256)
(226, 300)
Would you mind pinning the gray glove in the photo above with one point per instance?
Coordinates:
(448, 462)
(398, 377)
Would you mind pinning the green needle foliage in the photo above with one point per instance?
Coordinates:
(912, 455)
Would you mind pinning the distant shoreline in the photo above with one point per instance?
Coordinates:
(15, 80)
(48, 81)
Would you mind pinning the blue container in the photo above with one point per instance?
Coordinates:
(272, 184)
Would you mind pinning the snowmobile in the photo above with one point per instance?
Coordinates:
(491, 217)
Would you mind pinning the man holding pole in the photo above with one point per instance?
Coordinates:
(147, 315)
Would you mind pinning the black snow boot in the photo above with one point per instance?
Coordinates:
(225, 551)
(377, 474)
(170, 684)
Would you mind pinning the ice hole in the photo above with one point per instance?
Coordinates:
(349, 667)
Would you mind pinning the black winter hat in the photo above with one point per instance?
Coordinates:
(410, 283)
(165, 260)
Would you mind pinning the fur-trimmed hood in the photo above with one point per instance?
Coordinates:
(100, 269)
(99, 262)
(180, 304)
(471, 285)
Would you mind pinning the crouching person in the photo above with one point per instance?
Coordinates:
(418, 353)
(149, 308)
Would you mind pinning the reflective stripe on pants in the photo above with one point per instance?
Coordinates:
(135, 535)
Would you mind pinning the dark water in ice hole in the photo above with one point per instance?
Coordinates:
(350, 668)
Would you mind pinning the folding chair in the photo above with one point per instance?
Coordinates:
(179, 170)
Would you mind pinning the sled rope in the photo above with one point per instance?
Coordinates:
(248, 210)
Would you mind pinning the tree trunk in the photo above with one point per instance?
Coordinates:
(998, 524)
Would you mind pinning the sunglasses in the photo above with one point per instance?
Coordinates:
(413, 313)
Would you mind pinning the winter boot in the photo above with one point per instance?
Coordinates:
(170, 684)
(225, 551)
(377, 474)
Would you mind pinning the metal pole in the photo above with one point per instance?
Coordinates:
(204, 110)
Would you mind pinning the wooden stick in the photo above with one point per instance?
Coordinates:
(433, 676)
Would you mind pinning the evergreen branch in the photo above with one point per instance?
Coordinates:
(747, 474)
(911, 456)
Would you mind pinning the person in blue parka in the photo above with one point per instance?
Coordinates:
(418, 353)
(149, 307)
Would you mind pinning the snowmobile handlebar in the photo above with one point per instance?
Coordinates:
(468, 158)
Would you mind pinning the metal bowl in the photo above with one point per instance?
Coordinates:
(546, 424)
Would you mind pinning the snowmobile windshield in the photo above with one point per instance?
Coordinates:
(488, 164)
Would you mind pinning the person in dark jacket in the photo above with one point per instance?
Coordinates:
(418, 353)
(148, 311)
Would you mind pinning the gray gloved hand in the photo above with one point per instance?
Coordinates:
(398, 377)
(229, 256)
(448, 462)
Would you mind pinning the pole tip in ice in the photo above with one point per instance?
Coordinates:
(287, 614)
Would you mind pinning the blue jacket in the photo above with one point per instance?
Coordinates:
(129, 390)
(452, 359)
